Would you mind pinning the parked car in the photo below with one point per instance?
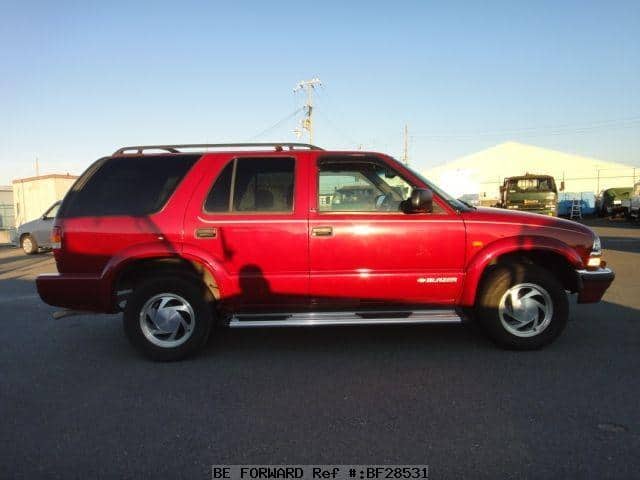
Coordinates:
(471, 199)
(609, 202)
(353, 197)
(36, 235)
(183, 243)
(634, 203)
(530, 193)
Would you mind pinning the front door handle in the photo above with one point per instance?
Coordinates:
(206, 232)
(322, 231)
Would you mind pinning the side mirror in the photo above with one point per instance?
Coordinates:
(420, 201)
(501, 188)
(562, 186)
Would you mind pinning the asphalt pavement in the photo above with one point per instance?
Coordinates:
(76, 401)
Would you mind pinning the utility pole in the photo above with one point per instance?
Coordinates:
(405, 145)
(307, 122)
(37, 166)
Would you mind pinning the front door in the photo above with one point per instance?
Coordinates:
(365, 252)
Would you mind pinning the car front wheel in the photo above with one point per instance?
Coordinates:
(522, 306)
(167, 319)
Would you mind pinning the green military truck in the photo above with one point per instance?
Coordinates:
(530, 193)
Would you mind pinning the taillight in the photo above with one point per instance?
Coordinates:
(56, 237)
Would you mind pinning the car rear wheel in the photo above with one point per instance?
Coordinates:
(29, 244)
(522, 306)
(167, 319)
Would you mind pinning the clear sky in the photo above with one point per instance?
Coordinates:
(79, 79)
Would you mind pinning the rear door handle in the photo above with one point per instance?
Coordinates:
(209, 232)
(322, 231)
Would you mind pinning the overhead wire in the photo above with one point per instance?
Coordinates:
(539, 131)
(277, 124)
(331, 123)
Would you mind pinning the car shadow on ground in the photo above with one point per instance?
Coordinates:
(98, 329)
(16, 265)
(13, 256)
(343, 340)
(100, 336)
(588, 325)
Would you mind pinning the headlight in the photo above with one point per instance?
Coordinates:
(550, 205)
(596, 248)
(512, 207)
(617, 202)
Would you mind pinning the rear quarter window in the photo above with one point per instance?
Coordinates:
(126, 185)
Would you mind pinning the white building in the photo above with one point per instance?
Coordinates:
(482, 173)
(7, 222)
(34, 195)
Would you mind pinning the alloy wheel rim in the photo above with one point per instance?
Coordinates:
(27, 245)
(525, 310)
(167, 320)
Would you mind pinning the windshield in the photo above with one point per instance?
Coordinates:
(521, 185)
(457, 204)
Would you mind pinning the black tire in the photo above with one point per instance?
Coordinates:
(188, 290)
(29, 244)
(495, 285)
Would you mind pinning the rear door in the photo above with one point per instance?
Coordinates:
(364, 252)
(250, 214)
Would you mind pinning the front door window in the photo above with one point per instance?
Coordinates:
(360, 187)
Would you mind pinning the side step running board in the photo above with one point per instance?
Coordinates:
(345, 318)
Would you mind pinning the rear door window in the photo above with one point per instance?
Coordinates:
(127, 185)
(248, 185)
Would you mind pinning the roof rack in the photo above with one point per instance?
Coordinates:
(277, 146)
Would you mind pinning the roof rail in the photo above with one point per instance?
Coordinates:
(277, 146)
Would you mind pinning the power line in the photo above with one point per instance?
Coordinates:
(337, 129)
(405, 145)
(277, 124)
(540, 131)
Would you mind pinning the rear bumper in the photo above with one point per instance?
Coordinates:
(593, 283)
(75, 292)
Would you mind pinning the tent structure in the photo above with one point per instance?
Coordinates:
(482, 173)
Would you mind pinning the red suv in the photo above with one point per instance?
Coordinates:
(184, 238)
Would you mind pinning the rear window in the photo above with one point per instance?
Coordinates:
(131, 186)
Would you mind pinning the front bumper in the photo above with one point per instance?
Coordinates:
(593, 283)
(74, 292)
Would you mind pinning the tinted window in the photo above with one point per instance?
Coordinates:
(218, 198)
(132, 186)
(261, 185)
